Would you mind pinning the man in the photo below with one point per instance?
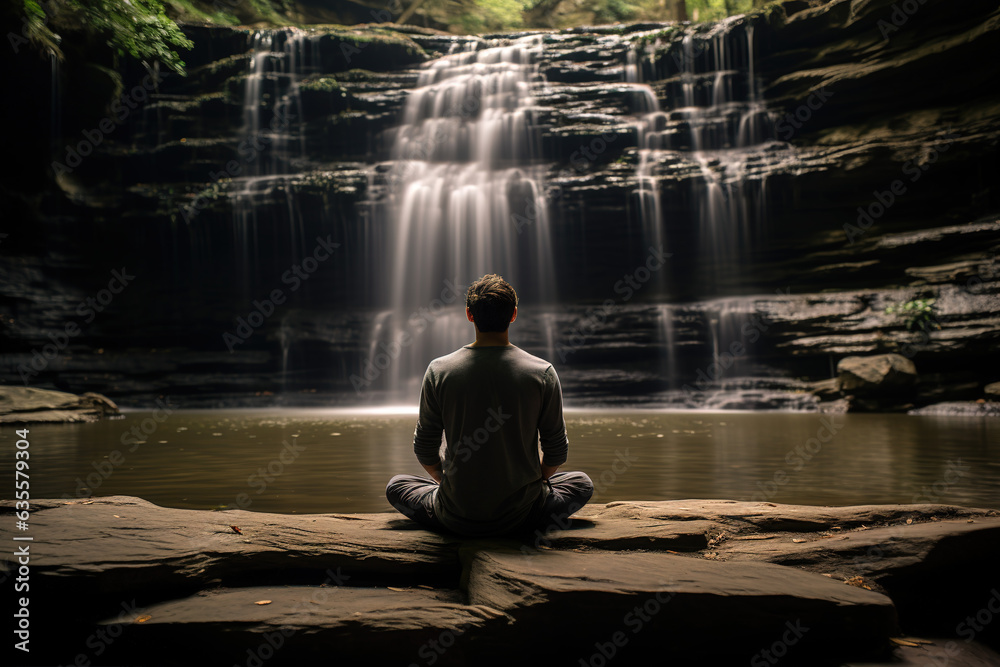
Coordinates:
(495, 403)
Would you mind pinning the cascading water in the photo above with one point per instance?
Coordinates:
(668, 329)
(465, 197)
(714, 118)
(279, 59)
(650, 146)
(271, 142)
(728, 321)
(649, 133)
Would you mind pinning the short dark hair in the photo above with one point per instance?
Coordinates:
(492, 301)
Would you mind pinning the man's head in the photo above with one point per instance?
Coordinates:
(491, 302)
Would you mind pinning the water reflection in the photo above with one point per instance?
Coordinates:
(323, 461)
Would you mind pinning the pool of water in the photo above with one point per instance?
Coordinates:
(316, 461)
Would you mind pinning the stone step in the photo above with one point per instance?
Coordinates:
(299, 623)
(642, 605)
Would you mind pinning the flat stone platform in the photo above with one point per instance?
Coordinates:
(118, 580)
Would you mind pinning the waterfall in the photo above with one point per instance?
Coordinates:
(465, 197)
(730, 324)
(279, 59)
(714, 118)
(723, 132)
(271, 145)
(651, 142)
(668, 328)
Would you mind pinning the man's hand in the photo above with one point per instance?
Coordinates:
(434, 471)
(548, 471)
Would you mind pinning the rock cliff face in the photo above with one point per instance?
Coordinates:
(869, 182)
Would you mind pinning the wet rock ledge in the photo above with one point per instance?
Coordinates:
(118, 580)
(31, 405)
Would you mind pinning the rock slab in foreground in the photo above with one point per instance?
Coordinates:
(642, 602)
(370, 625)
(112, 546)
(718, 582)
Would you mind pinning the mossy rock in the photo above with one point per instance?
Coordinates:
(216, 73)
(362, 75)
(375, 49)
(323, 84)
(323, 96)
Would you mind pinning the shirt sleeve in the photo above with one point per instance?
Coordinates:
(551, 424)
(427, 435)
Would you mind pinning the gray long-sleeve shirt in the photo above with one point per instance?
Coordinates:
(495, 406)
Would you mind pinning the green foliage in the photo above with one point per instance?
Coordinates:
(916, 313)
(616, 11)
(713, 10)
(138, 28)
(36, 27)
(188, 10)
(493, 15)
(267, 11)
(232, 12)
(665, 35)
(477, 16)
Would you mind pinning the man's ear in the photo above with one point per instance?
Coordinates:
(468, 314)
(514, 316)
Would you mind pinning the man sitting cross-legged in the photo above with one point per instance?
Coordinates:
(495, 404)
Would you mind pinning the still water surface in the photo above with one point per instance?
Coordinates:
(313, 461)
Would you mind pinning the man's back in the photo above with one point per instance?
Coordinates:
(493, 403)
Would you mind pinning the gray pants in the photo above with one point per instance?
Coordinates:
(413, 497)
